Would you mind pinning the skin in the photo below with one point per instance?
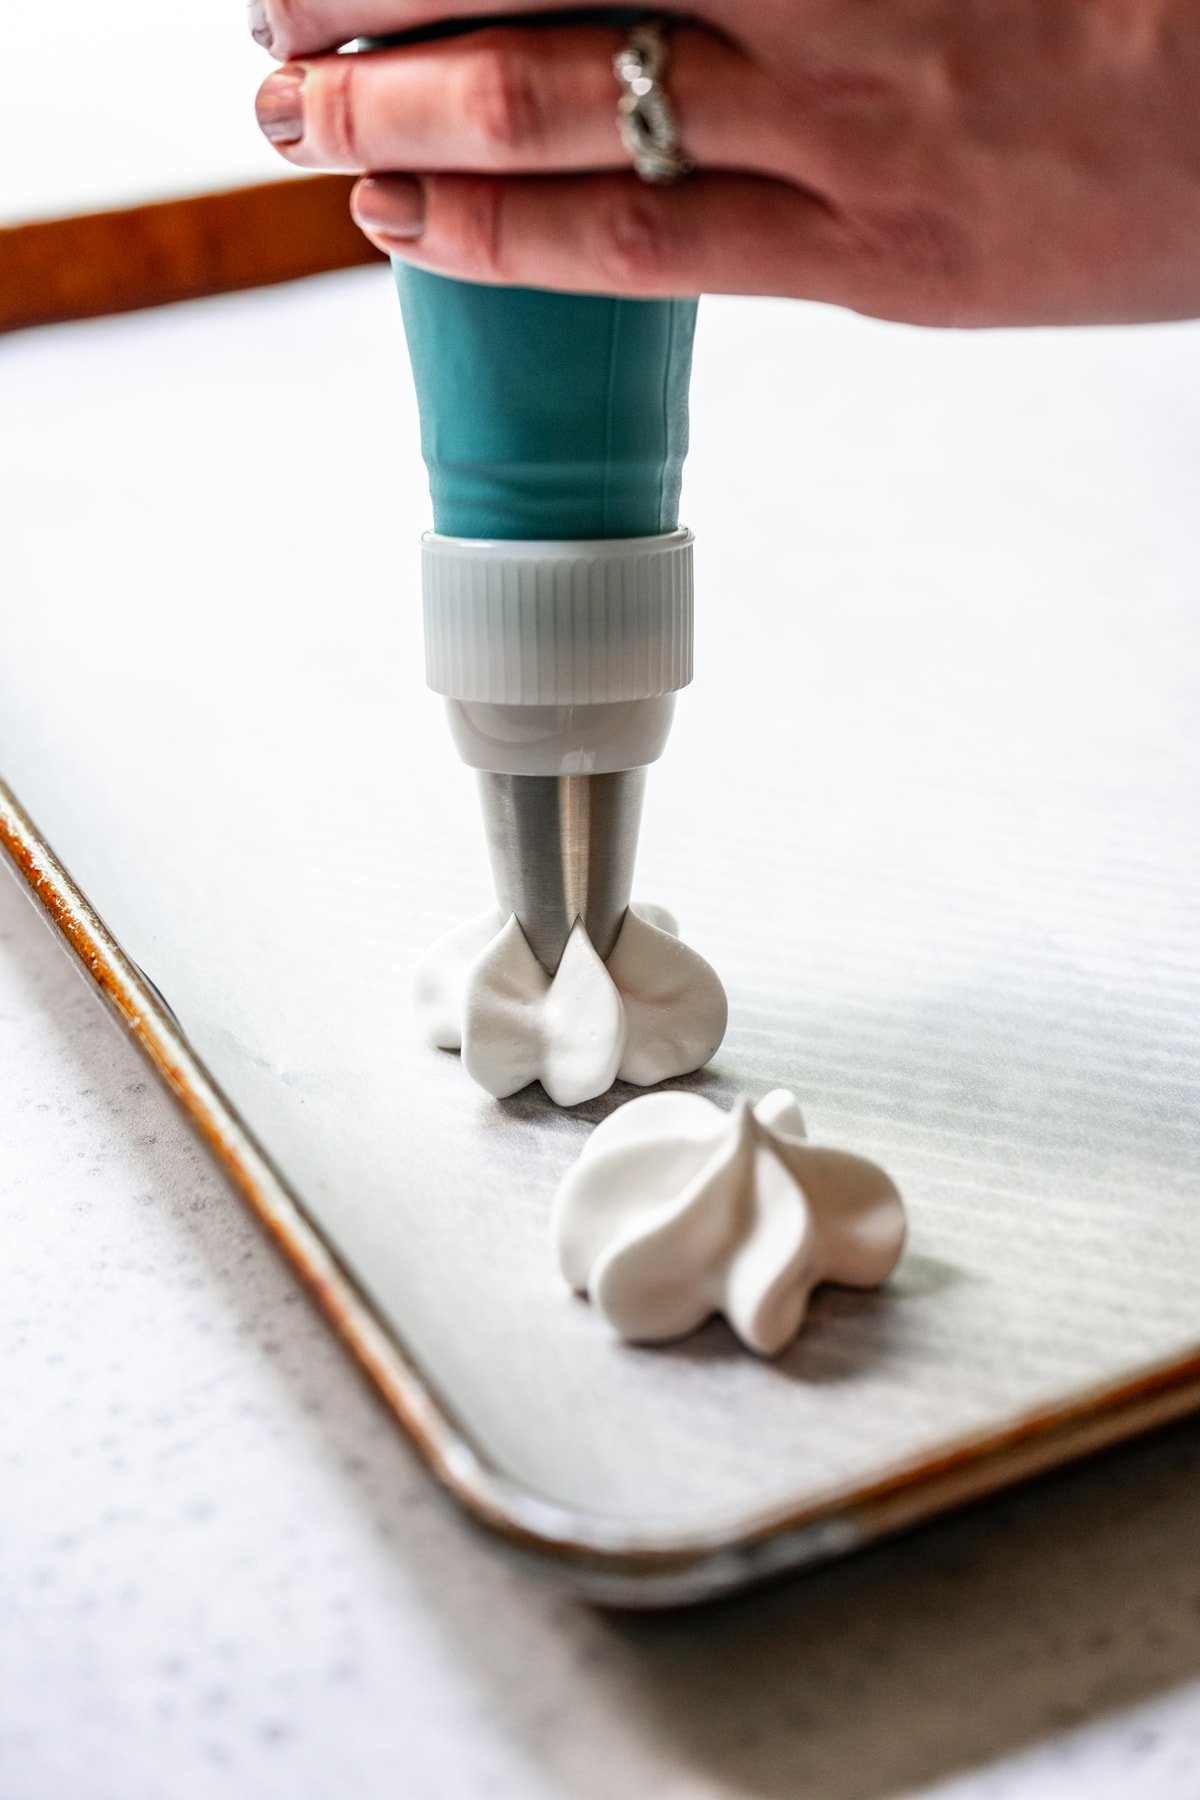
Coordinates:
(942, 162)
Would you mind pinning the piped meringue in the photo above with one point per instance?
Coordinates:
(676, 1210)
(654, 1012)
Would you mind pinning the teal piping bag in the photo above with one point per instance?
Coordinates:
(548, 415)
(557, 580)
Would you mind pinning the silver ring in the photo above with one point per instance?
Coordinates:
(645, 117)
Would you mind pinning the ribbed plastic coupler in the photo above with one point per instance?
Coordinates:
(573, 622)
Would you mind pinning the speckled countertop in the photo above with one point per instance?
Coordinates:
(223, 1573)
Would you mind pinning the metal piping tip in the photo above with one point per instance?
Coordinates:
(563, 848)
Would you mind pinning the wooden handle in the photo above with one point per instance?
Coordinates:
(111, 262)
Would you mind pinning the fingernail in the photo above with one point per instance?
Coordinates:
(393, 206)
(280, 106)
(260, 25)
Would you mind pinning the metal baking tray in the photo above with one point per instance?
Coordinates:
(930, 808)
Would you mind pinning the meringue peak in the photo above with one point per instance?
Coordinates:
(677, 1210)
(656, 1010)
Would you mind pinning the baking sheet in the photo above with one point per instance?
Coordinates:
(930, 808)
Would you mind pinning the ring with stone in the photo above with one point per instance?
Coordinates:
(645, 117)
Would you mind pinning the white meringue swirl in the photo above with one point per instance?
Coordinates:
(677, 1210)
(655, 1011)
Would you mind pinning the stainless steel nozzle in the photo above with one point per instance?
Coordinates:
(563, 848)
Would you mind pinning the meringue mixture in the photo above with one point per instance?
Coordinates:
(654, 1012)
(677, 1210)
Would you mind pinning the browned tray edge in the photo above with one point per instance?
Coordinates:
(53, 271)
(597, 1558)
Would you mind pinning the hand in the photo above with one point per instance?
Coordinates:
(944, 162)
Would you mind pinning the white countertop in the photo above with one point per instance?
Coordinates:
(223, 1572)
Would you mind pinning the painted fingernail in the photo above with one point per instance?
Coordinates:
(260, 25)
(280, 106)
(393, 206)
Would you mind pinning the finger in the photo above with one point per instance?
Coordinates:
(523, 102)
(614, 234)
(289, 28)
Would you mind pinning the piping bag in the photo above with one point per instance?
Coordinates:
(557, 582)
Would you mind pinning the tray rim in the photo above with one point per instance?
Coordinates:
(598, 1559)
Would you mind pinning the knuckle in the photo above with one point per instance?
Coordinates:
(333, 103)
(500, 96)
(910, 240)
(920, 253)
(632, 239)
(481, 242)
